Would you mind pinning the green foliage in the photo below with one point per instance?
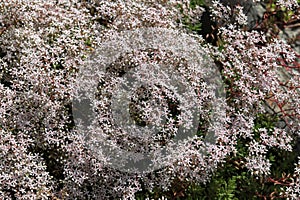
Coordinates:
(193, 26)
(264, 120)
(228, 189)
(88, 42)
(194, 3)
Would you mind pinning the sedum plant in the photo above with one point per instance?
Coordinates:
(64, 130)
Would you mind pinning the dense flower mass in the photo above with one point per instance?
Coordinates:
(293, 190)
(48, 53)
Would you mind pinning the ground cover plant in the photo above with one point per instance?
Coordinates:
(179, 99)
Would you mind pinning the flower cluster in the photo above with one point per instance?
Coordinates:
(46, 47)
(293, 190)
(262, 78)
